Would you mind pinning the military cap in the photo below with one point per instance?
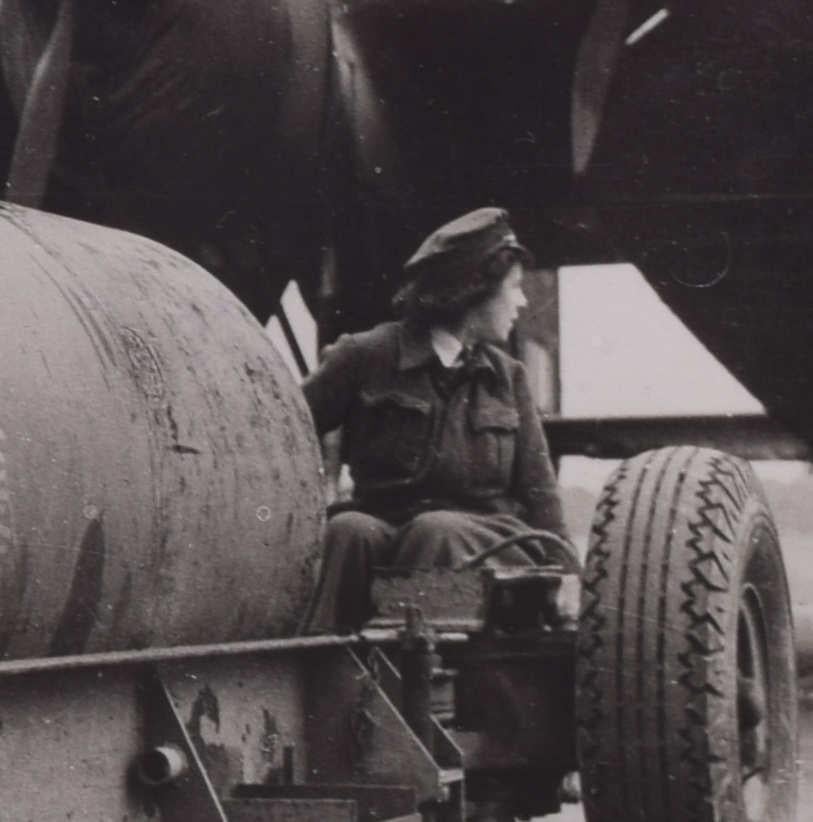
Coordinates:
(450, 268)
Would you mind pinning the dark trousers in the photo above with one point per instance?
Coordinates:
(355, 543)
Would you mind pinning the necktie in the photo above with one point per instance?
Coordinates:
(463, 358)
(448, 378)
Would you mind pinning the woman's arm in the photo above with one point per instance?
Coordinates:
(535, 484)
(331, 388)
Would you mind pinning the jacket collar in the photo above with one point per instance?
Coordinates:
(415, 350)
(414, 347)
(449, 349)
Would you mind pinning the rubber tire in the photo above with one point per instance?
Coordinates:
(678, 536)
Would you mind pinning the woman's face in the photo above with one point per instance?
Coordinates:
(492, 320)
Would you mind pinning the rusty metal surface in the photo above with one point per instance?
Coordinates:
(72, 742)
(470, 599)
(291, 810)
(417, 662)
(482, 751)
(446, 752)
(160, 475)
(387, 676)
(519, 704)
(110, 659)
(192, 796)
(355, 734)
(446, 597)
(245, 716)
(373, 802)
(388, 636)
(66, 747)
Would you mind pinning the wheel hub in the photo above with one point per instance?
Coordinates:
(752, 705)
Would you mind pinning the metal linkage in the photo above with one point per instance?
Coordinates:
(418, 661)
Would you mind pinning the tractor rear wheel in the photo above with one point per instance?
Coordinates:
(685, 672)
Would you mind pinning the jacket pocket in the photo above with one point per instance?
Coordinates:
(394, 436)
(493, 432)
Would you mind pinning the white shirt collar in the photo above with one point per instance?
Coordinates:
(446, 345)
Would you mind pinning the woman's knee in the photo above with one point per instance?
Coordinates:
(353, 531)
(434, 524)
(352, 524)
(431, 539)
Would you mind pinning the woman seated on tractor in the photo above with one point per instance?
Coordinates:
(444, 443)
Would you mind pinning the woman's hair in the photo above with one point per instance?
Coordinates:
(425, 307)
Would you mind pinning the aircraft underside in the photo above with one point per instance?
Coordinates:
(320, 140)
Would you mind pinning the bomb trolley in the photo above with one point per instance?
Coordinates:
(160, 508)
(470, 692)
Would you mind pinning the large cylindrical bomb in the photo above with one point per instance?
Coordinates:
(159, 472)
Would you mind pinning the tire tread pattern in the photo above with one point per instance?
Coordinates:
(656, 598)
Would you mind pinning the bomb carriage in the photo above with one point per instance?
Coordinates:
(161, 509)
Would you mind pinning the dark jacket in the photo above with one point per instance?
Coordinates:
(413, 441)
